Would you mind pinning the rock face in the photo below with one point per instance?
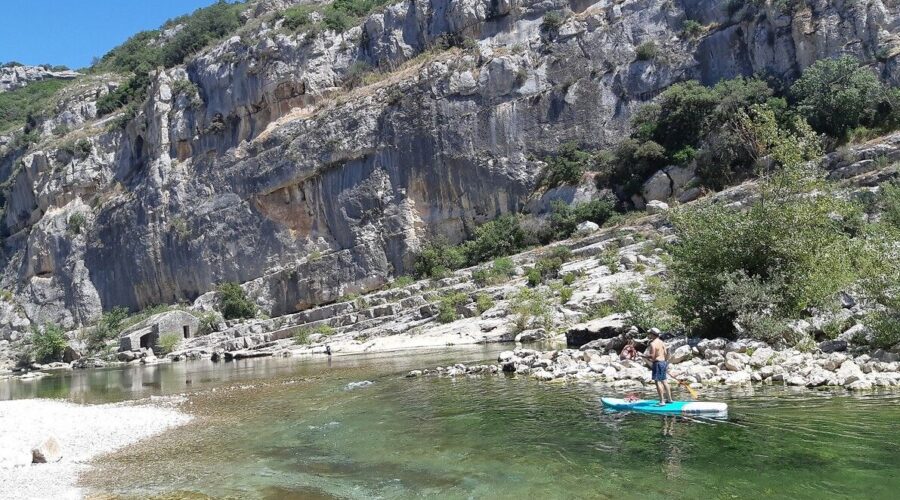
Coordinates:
(14, 77)
(276, 174)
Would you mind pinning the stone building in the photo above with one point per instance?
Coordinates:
(147, 333)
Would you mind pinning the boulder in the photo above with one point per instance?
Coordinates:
(657, 207)
(70, 355)
(48, 451)
(682, 353)
(602, 328)
(734, 361)
(126, 356)
(885, 356)
(830, 346)
(657, 188)
(586, 227)
(532, 335)
(613, 345)
(706, 344)
(856, 334)
(761, 357)
(738, 378)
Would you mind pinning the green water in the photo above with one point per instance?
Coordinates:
(291, 429)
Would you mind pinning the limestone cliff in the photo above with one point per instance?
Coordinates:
(268, 160)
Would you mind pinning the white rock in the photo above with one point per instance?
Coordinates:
(586, 227)
(681, 354)
(738, 378)
(657, 207)
(761, 357)
(48, 451)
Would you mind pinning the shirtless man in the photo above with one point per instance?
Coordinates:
(658, 355)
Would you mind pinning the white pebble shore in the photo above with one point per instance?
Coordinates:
(83, 431)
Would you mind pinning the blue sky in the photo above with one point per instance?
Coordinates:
(71, 32)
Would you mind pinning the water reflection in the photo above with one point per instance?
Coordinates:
(138, 381)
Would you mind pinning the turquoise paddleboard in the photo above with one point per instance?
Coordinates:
(699, 408)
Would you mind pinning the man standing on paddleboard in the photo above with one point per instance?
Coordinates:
(658, 355)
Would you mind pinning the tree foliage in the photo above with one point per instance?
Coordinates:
(148, 50)
(48, 343)
(233, 302)
(836, 95)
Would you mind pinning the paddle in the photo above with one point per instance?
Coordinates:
(690, 389)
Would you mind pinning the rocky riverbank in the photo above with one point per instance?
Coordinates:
(698, 363)
(81, 433)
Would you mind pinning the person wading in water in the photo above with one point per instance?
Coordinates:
(658, 355)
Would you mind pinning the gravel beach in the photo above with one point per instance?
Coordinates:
(83, 431)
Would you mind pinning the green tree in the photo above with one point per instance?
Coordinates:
(836, 95)
(233, 302)
(567, 166)
(49, 343)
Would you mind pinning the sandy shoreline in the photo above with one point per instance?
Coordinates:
(83, 431)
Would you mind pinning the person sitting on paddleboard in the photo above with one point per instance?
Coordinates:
(628, 352)
(658, 355)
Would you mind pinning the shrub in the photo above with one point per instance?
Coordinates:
(108, 328)
(565, 294)
(646, 51)
(168, 342)
(356, 74)
(567, 166)
(790, 248)
(76, 222)
(692, 29)
(497, 238)
(500, 271)
(533, 276)
(83, 149)
(483, 302)
(889, 201)
(301, 336)
(565, 218)
(836, 95)
(530, 310)
(297, 16)
(437, 259)
(32, 100)
(552, 22)
(209, 322)
(233, 303)
(402, 281)
(48, 343)
(449, 305)
(610, 258)
(568, 279)
(506, 268)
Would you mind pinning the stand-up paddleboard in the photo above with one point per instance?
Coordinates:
(699, 408)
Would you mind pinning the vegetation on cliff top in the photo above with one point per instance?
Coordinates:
(166, 47)
(19, 106)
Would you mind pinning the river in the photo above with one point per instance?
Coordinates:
(299, 428)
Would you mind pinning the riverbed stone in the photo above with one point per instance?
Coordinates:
(48, 451)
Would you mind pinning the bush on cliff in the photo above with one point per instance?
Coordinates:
(233, 302)
(148, 50)
(567, 166)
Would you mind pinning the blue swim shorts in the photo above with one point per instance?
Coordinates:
(659, 371)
